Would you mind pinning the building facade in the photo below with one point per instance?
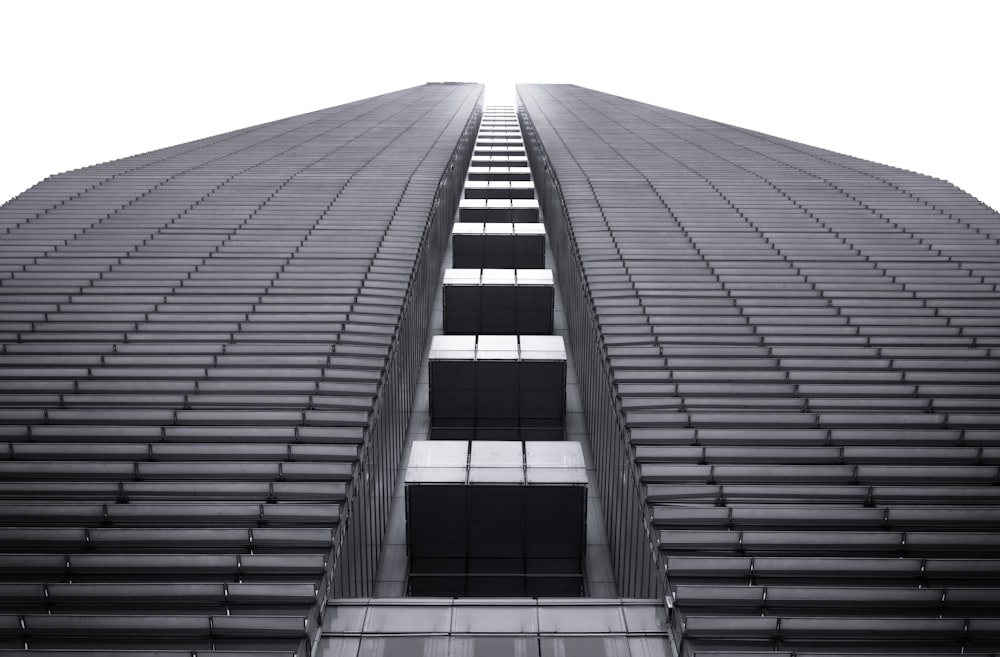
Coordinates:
(788, 362)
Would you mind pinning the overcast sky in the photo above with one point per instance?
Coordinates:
(912, 84)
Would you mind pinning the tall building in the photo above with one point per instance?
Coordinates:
(782, 367)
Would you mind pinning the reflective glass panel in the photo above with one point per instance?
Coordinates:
(494, 646)
(399, 619)
(580, 619)
(584, 646)
(404, 646)
(645, 618)
(338, 646)
(648, 647)
(520, 620)
(344, 618)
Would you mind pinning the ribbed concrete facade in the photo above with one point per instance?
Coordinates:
(788, 359)
(209, 353)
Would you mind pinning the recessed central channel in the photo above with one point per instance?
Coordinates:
(495, 497)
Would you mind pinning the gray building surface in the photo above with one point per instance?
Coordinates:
(788, 359)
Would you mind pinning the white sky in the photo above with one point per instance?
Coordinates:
(911, 84)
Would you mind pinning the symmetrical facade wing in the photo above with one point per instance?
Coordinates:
(790, 363)
(208, 356)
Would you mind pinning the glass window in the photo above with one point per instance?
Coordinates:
(494, 646)
(499, 619)
(338, 647)
(580, 618)
(408, 619)
(344, 618)
(404, 646)
(584, 646)
(645, 618)
(648, 647)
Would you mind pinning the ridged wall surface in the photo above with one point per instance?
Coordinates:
(790, 360)
(208, 356)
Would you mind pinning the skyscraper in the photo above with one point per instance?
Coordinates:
(787, 360)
